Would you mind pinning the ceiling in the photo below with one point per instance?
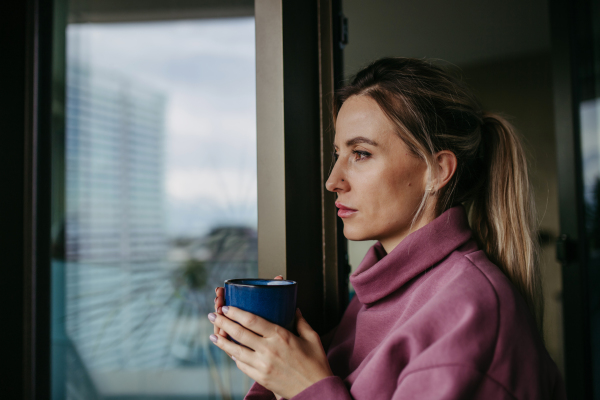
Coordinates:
(459, 31)
(462, 32)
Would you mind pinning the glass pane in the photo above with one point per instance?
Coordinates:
(589, 111)
(160, 183)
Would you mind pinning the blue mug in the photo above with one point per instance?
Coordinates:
(271, 299)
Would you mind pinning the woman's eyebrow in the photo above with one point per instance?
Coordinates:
(360, 139)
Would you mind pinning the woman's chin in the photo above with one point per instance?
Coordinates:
(357, 235)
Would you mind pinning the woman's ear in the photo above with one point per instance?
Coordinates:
(446, 168)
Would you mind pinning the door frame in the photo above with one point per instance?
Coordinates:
(571, 29)
(25, 104)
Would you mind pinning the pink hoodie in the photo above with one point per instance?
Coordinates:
(434, 319)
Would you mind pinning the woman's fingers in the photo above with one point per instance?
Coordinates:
(249, 370)
(237, 352)
(304, 329)
(242, 357)
(219, 303)
(220, 299)
(250, 321)
(235, 331)
(215, 329)
(279, 277)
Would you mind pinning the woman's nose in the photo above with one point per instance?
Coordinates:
(336, 181)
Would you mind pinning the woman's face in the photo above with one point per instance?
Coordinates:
(378, 181)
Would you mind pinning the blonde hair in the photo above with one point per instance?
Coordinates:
(435, 111)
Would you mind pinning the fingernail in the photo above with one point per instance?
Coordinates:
(225, 309)
(233, 358)
(212, 317)
(213, 338)
(216, 290)
(216, 299)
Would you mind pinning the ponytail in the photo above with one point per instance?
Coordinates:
(503, 216)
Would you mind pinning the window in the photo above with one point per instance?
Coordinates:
(161, 202)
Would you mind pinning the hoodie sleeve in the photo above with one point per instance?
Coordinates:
(329, 388)
(449, 382)
(258, 392)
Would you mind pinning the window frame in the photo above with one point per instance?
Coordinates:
(296, 79)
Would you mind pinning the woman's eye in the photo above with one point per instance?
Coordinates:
(360, 155)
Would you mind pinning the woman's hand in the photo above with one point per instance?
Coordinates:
(274, 357)
(220, 302)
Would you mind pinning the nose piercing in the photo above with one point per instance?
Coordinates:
(342, 180)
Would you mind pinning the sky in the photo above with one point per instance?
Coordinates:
(206, 69)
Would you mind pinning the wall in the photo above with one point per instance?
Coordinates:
(462, 32)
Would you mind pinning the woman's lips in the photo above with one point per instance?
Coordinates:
(344, 212)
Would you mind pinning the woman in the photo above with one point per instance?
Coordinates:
(443, 310)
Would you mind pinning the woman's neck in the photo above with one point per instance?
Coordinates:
(389, 243)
